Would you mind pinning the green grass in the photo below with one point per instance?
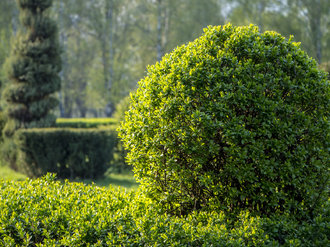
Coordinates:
(8, 174)
(125, 181)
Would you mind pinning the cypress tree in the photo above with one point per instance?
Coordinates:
(33, 69)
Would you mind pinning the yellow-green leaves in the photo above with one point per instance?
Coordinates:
(45, 212)
(234, 120)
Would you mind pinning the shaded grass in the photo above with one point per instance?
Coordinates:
(8, 174)
(126, 181)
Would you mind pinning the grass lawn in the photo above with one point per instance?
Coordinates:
(126, 181)
(8, 174)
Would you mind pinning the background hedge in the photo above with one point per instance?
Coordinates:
(71, 153)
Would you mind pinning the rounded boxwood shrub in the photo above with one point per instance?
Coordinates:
(235, 120)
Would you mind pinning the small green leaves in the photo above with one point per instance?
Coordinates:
(45, 212)
(244, 119)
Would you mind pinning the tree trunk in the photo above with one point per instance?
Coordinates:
(63, 39)
(315, 25)
(81, 107)
(105, 62)
(111, 52)
(108, 60)
(159, 30)
(261, 9)
(67, 106)
(14, 21)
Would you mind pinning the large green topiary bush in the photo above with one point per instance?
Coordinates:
(235, 120)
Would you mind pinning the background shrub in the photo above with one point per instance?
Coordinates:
(326, 67)
(2, 124)
(71, 153)
(235, 120)
(33, 69)
(8, 153)
(118, 164)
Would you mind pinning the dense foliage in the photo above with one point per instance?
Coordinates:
(70, 153)
(235, 120)
(45, 212)
(33, 69)
(118, 163)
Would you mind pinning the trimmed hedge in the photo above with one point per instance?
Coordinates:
(71, 153)
(45, 212)
(84, 122)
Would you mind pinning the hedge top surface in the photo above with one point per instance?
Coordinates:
(235, 119)
(45, 212)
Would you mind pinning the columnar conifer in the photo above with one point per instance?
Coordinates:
(33, 69)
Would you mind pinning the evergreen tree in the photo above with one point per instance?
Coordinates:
(33, 69)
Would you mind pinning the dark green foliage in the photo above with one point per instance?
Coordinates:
(286, 231)
(235, 120)
(71, 153)
(33, 69)
(85, 122)
(45, 212)
(118, 163)
(2, 124)
(7, 146)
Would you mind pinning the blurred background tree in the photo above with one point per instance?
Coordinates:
(107, 44)
(32, 69)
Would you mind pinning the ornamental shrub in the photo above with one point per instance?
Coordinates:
(71, 153)
(33, 69)
(235, 120)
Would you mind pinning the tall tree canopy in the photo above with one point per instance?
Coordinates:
(107, 44)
